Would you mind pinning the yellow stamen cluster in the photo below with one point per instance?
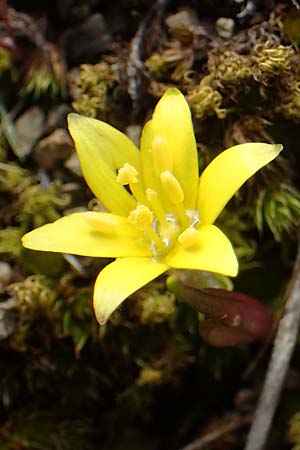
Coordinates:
(162, 227)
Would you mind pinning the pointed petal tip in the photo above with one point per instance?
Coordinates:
(234, 271)
(102, 320)
(278, 148)
(74, 119)
(25, 240)
(173, 91)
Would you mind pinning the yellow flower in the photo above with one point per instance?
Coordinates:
(161, 212)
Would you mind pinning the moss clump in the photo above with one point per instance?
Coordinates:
(229, 68)
(205, 100)
(155, 307)
(279, 208)
(90, 89)
(288, 102)
(10, 241)
(271, 62)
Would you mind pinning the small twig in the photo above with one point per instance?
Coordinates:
(283, 348)
(229, 425)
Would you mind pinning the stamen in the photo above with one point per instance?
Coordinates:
(142, 217)
(127, 174)
(176, 195)
(172, 187)
(162, 157)
(102, 222)
(189, 238)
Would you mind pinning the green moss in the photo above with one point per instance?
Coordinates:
(90, 89)
(38, 205)
(10, 241)
(205, 100)
(229, 68)
(278, 208)
(155, 307)
(271, 62)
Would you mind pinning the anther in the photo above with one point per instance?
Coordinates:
(127, 174)
(141, 217)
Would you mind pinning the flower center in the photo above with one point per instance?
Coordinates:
(161, 227)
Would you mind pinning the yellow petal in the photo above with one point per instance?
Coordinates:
(172, 127)
(226, 174)
(120, 279)
(212, 252)
(72, 234)
(102, 150)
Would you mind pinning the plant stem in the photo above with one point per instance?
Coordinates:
(284, 344)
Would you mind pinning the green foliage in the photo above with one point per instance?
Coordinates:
(279, 208)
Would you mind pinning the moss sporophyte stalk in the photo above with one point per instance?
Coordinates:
(161, 213)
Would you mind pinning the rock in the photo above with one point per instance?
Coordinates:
(57, 117)
(85, 42)
(134, 133)
(225, 27)
(53, 149)
(73, 165)
(5, 274)
(29, 126)
(8, 317)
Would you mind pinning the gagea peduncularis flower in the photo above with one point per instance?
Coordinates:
(161, 213)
